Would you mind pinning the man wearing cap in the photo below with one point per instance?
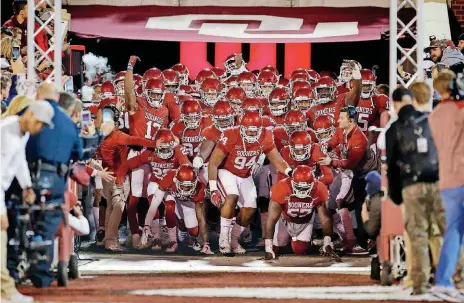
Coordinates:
(461, 42)
(14, 134)
(49, 154)
(445, 54)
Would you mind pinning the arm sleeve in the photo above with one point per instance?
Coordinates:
(181, 157)
(80, 225)
(355, 154)
(268, 143)
(167, 181)
(41, 40)
(326, 171)
(124, 139)
(22, 173)
(90, 171)
(129, 164)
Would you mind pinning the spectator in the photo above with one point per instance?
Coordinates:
(447, 125)
(5, 84)
(54, 148)
(17, 33)
(7, 48)
(6, 32)
(77, 221)
(461, 42)
(382, 89)
(17, 105)
(18, 20)
(421, 96)
(444, 53)
(15, 133)
(412, 179)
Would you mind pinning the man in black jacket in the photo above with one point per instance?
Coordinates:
(413, 179)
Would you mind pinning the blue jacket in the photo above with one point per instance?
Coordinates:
(13, 92)
(57, 145)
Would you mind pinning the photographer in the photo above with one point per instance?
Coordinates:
(413, 179)
(445, 54)
(447, 126)
(49, 155)
(15, 132)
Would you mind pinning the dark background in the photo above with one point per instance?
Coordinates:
(324, 56)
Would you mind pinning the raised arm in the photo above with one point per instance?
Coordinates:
(131, 100)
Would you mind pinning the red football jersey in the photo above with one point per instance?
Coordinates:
(189, 138)
(113, 149)
(297, 210)
(279, 120)
(281, 138)
(369, 111)
(323, 173)
(241, 156)
(146, 121)
(213, 134)
(342, 89)
(206, 110)
(172, 103)
(159, 167)
(331, 108)
(167, 185)
(124, 122)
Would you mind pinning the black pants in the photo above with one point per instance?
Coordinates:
(359, 190)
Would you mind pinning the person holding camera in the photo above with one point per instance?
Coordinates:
(447, 128)
(413, 180)
(49, 154)
(15, 132)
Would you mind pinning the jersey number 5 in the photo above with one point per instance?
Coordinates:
(362, 122)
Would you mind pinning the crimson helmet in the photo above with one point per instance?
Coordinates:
(325, 90)
(279, 102)
(165, 143)
(107, 90)
(252, 104)
(324, 127)
(299, 84)
(202, 76)
(283, 82)
(302, 181)
(183, 73)
(191, 112)
(223, 115)
(152, 73)
(138, 87)
(300, 76)
(303, 99)
(186, 180)
(236, 96)
(210, 91)
(219, 73)
(272, 69)
(247, 81)
(368, 83)
(171, 80)
(154, 92)
(184, 89)
(120, 76)
(294, 120)
(251, 126)
(313, 76)
(300, 146)
(267, 81)
(231, 82)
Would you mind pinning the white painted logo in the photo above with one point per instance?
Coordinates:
(239, 30)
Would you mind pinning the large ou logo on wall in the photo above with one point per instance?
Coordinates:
(254, 27)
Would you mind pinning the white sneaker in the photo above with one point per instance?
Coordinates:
(235, 245)
(18, 297)
(238, 249)
(224, 244)
(146, 237)
(206, 250)
(164, 236)
(156, 246)
(172, 237)
(449, 294)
